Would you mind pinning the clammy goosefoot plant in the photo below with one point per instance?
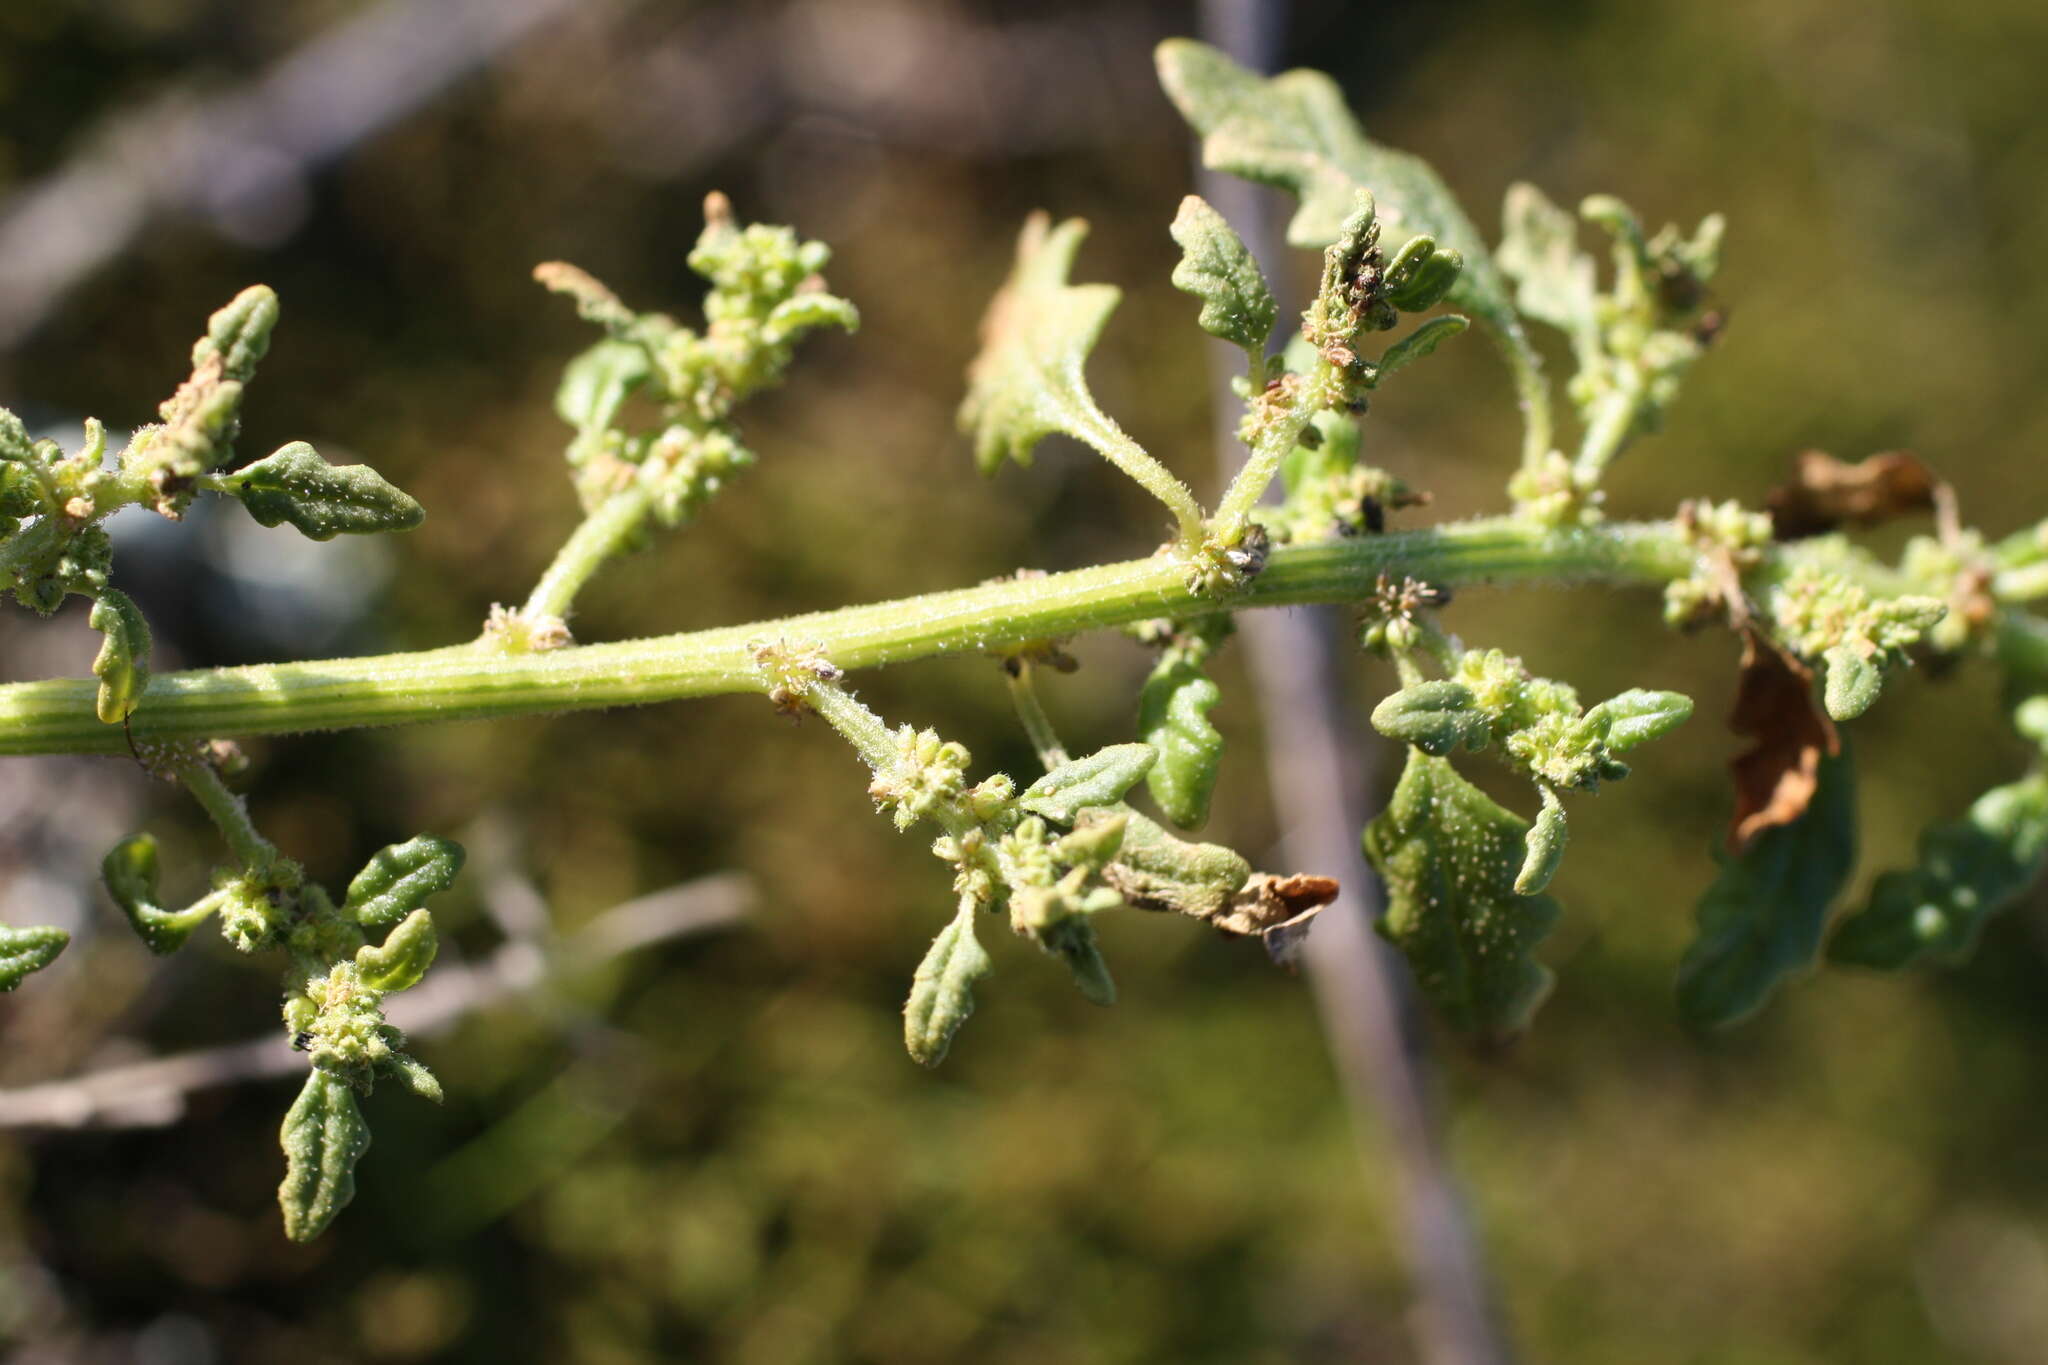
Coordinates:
(652, 411)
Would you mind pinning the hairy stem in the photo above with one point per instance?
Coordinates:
(1155, 478)
(601, 536)
(458, 683)
(1275, 439)
(1031, 713)
(229, 813)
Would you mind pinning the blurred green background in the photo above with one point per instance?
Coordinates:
(715, 1149)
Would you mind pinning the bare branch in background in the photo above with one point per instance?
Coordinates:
(151, 1094)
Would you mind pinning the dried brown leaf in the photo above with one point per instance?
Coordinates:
(1825, 492)
(1776, 776)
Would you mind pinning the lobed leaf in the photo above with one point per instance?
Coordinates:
(1450, 856)
(1968, 871)
(1555, 282)
(322, 500)
(1763, 918)
(597, 383)
(122, 665)
(1294, 131)
(942, 991)
(1027, 382)
(1420, 342)
(1638, 716)
(1173, 718)
(26, 950)
(403, 957)
(1098, 779)
(399, 878)
(1215, 266)
(1435, 717)
(323, 1137)
(1543, 846)
(1155, 871)
(130, 873)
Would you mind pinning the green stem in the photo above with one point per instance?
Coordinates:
(601, 536)
(1612, 424)
(1532, 389)
(229, 812)
(1276, 437)
(458, 683)
(1155, 478)
(1031, 712)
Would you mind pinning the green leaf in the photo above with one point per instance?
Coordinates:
(1763, 918)
(403, 957)
(1173, 718)
(942, 991)
(130, 873)
(239, 333)
(1421, 274)
(1153, 870)
(26, 950)
(597, 383)
(1543, 846)
(1435, 717)
(1072, 940)
(414, 1075)
(1294, 131)
(1028, 383)
(1638, 716)
(1099, 779)
(399, 878)
(1421, 342)
(1555, 282)
(1449, 856)
(320, 499)
(122, 665)
(1854, 680)
(323, 1137)
(1968, 871)
(1215, 266)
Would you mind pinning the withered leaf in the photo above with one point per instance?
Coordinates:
(1825, 492)
(1775, 777)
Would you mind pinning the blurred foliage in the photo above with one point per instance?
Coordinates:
(717, 1150)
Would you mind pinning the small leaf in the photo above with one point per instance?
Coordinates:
(1099, 779)
(1173, 718)
(1763, 918)
(1555, 282)
(1421, 342)
(1543, 847)
(942, 991)
(1216, 267)
(1072, 940)
(239, 333)
(596, 383)
(1824, 492)
(1638, 716)
(1435, 717)
(1449, 856)
(413, 1074)
(1155, 871)
(403, 957)
(1854, 680)
(399, 878)
(1968, 871)
(323, 1137)
(26, 950)
(1421, 274)
(130, 873)
(122, 665)
(320, 499)
(1027, 382)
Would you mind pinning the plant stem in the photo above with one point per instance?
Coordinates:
(1031, 712)
(602, 535)
(458, 683)
(1276, 437)
(1119, 449)
(229, 813)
